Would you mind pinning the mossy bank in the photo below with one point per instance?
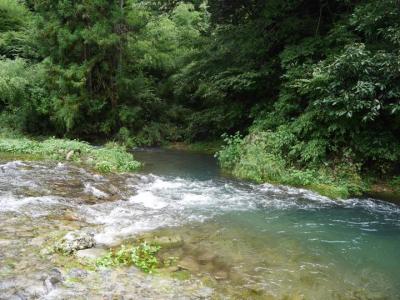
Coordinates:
(109, 158)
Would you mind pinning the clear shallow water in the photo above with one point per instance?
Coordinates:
(262, 241)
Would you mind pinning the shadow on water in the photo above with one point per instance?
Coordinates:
(177, 163)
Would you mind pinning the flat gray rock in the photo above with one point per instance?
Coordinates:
(92, 253)
(74, 241)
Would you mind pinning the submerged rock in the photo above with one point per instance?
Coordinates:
(53, 278)
(74, 241)
(206, 257)
(18, 296)
(69, 155)
(92, 190)
(92, 253)
(167, 242)
(188, 263)
(221, 275)
(38, 241)
(77, 273)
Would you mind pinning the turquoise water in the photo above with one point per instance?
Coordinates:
(283, 242)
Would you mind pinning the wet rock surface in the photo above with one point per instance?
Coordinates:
(74, 241)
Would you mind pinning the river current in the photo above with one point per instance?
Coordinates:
(240, 240)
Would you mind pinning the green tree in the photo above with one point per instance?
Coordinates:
(82, 42)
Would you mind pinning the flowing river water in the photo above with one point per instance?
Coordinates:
(235, 240)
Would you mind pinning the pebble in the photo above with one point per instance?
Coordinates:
(221, 275)
(77, 273)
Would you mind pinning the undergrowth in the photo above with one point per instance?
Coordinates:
(110, 158)
(142, 256)
(262, 158)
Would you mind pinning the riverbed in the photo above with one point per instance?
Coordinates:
(237, 240)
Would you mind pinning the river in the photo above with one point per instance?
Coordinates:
(239, 240)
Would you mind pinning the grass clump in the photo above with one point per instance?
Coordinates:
(110, 158)
(142, 256)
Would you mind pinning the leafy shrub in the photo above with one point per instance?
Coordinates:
(264, 157)
(230, 153)
(395, 183)
(125, 137)
(142, 256)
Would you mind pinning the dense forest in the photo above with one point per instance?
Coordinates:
(304, 92)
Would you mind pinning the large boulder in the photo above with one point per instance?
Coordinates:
(74, 241)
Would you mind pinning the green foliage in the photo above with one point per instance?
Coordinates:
(313, 86)
(345, 104)
(110, 158)
(263, 157)
(229, 156)
(142, 256)
(125, 138)
(15, 30)
(23, 100)
(395, 183)
(111, 70)
(335, 116)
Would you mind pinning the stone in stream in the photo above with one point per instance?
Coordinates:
(91, 254)
(167, 242)
(221, 275)
(69, 155)
(77, 273)
(188, 263)
(74, 241)
(5, 243)
(53, 278)
(38, 241)
(18, 296)
(205, 257)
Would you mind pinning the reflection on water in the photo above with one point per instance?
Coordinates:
(239, 240)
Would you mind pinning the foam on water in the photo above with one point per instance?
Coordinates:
(149, 200)
(33, 206)
(161, 201)
(153, 201)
